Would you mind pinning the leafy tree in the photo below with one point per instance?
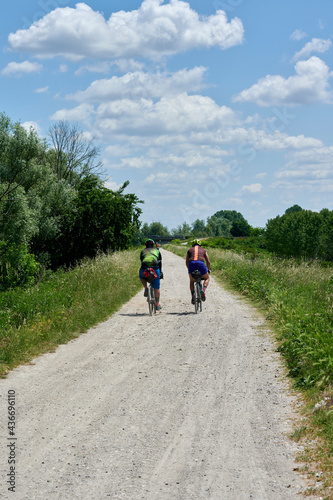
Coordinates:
(183, 230)
(231, 215)
(100, 220)
(155, 228)
(240, 228)
(199, 228)
(293, 209)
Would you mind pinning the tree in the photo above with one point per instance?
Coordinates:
(75, 155)
(154, 229)
(293, 209)
(182, 230)
(100, 220)
(240, 228)
(199, 228)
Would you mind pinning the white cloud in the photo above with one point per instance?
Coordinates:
(253, 188)
(42, 90)
(298, 35)
(316, 45)
(142, 85)
(32, 125)
(308, 86)
(83, 113)
(123, 65)
(154, 30)
(14, 68)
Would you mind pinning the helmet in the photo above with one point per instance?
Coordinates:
(149, 243)
(196, 242)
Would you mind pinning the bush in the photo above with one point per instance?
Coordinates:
(17, 266)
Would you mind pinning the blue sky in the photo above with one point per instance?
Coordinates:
(202, 106)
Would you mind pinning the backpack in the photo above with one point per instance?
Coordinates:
(149, 274)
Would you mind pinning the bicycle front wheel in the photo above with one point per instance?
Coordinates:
(197, 297)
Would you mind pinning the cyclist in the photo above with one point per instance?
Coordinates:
(195, 260)
(151, 257)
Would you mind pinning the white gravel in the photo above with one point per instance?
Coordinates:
(173, 407)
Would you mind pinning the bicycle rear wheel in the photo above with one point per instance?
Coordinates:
(151, 300)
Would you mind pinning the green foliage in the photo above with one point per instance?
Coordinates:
(154, 229)
(17, 266)
(240, 228)
(293, 209)
(99, 220)
(302, 234)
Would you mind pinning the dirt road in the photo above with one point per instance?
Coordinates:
(173, 407)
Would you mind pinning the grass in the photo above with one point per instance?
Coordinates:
(68, 303)
(297, 301)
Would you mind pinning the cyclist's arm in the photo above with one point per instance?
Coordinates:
(160, 261)
(187, 259)
(207, 261)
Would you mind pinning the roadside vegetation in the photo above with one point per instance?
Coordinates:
(67, 303)
(296, 298)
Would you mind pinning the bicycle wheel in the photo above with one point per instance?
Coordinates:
(149, 300)
(199, 292)
(153, 300)
(196, 297)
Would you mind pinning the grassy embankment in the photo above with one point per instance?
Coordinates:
(297, 300)
(58, 309)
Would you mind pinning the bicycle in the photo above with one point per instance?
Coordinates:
(149, 276)
(197, 277)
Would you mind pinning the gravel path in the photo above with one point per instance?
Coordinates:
(173, 407)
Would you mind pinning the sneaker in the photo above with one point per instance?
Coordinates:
(145, 294)
(158, 308)
(203, 295)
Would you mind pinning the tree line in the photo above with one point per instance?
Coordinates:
(301, 233)
(226, 223)
(54, 207)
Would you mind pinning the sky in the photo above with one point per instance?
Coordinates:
(202, 106)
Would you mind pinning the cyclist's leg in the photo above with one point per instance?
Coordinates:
(156, 285)
(206, 280)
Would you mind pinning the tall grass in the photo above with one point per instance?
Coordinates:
(66, 304)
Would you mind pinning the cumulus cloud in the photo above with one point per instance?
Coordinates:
(309, 85)
(153, 31)
(142, 85)
(316, 45)
(14, 68)
(83, 112)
